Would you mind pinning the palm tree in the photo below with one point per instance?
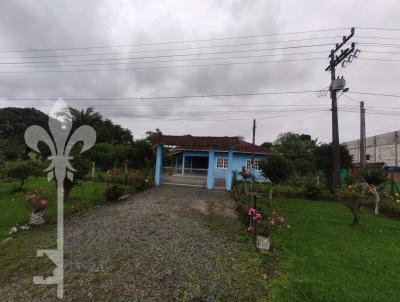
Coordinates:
(84, 117)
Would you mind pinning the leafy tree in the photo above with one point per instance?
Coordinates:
(375, 177)
(102, 155)
(267, 145)
(106, 130)
(143, 154)
(323, 159)
(298, 148)
(13, 123)
(12, 149)
(277, 169)
(21, 170)
(84, 117)
(153, 133)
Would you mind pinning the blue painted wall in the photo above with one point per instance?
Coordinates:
(239, 160)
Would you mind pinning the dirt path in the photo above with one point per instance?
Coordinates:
(161, 245)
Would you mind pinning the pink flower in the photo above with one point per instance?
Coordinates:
(250, 229)
(44, 202)
(272, 222)
(252, 212)
(281, 219)
(273, 212)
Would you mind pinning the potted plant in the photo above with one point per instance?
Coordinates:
(37, 202)
(272, 223)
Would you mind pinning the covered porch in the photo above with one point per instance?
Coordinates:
(192, 168)
(192, 161)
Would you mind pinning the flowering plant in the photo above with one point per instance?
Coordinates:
(254, 217)
(38, 201)
(395, 198)
(246, 174)
(276, 222)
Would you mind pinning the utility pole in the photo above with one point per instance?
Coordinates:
(253, 196)
(363, 149)
(254, 142)
(336, 85)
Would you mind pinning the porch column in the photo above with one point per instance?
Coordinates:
(176, 164)
(228, 181)
(157, 174)
(191, 164)
(183, 163)
(210, 172)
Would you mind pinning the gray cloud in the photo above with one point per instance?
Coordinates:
(58, 24)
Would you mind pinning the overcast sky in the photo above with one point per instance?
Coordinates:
(48, 24)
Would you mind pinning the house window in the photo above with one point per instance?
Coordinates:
(368, 157)
(248, 164)
(222, 163)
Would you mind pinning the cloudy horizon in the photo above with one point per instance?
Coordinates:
(99, 36)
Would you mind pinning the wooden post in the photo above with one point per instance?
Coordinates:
(396, 155)
(93, 170)
(126, 173)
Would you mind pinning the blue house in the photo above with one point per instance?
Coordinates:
(205, 161)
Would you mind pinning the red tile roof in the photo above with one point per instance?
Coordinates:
(203, 143)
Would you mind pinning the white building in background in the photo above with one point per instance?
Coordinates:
(382, 148)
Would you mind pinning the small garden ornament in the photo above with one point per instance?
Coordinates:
(273, 223)
(38, 201)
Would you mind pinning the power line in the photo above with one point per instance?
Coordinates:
(378, 28)
(379, 59)
(350, 98)
(217, 120)
(181, 55)
(374, 113)
(163, 50)
(380, 44)
(161, 67)
(159, 61)
(174, 42)
(384, 52)
(223, 95)
(184, 105)
(375, 94)
(377, 37)
(166, 97)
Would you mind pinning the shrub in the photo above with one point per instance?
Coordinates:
(21, 170)
(277, 169)
(376, 177)
(353, 199)
(113, 193)
(312, 191)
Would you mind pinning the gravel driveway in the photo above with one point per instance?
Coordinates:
(163, 244)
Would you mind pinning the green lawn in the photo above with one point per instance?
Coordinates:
(14, 210)
(322, 258)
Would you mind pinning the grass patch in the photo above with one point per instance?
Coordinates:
(14, 210)
(251, 279)
(323, 258)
